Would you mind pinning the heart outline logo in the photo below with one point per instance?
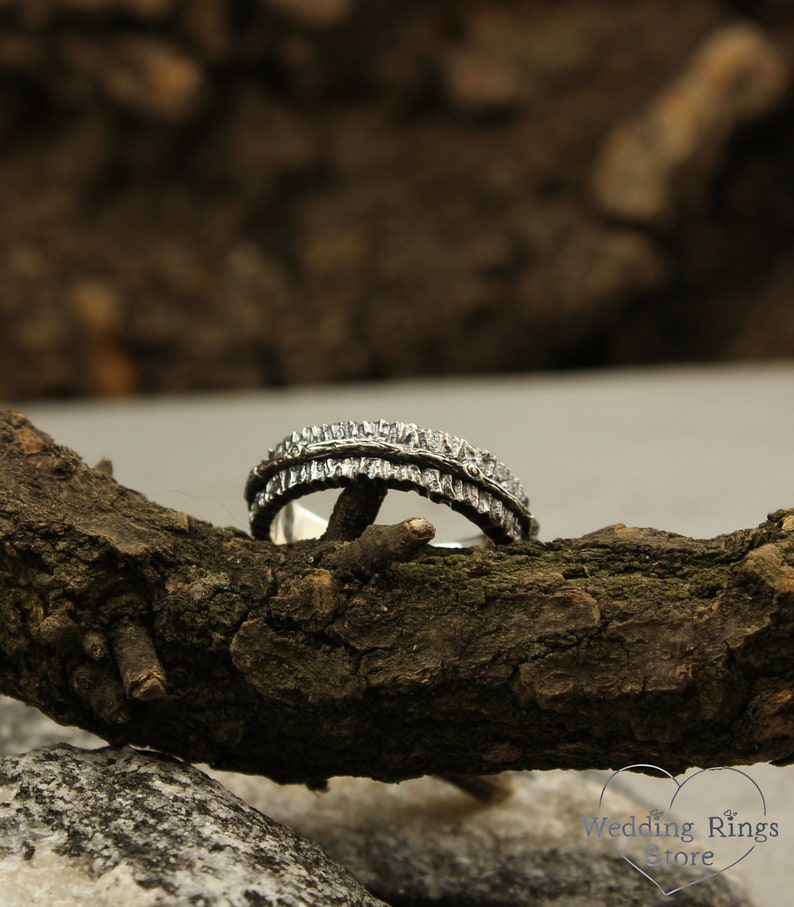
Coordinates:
(679, 787)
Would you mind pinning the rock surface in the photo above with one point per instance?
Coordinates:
(423, 843)
(120, 827)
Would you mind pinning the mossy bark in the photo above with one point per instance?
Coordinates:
(146, 626)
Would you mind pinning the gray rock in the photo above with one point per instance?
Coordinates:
(120, 827)
(423, 843)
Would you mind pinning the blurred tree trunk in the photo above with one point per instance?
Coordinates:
(207, 194)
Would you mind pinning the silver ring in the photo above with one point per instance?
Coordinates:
(434, 464)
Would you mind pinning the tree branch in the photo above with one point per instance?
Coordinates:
(146, 626)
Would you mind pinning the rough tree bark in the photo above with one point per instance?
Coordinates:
(147, 626)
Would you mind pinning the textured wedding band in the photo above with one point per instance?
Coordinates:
(434, 464)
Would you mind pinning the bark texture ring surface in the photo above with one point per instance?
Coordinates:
(381, 455)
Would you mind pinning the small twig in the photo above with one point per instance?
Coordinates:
(95, 645)
(486, 788)
(101, 688)
(356, 508)
(57, 630)
(141, 672)
(105, 466)
(379, 546)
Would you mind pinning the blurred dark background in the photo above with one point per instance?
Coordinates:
(206, 194)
